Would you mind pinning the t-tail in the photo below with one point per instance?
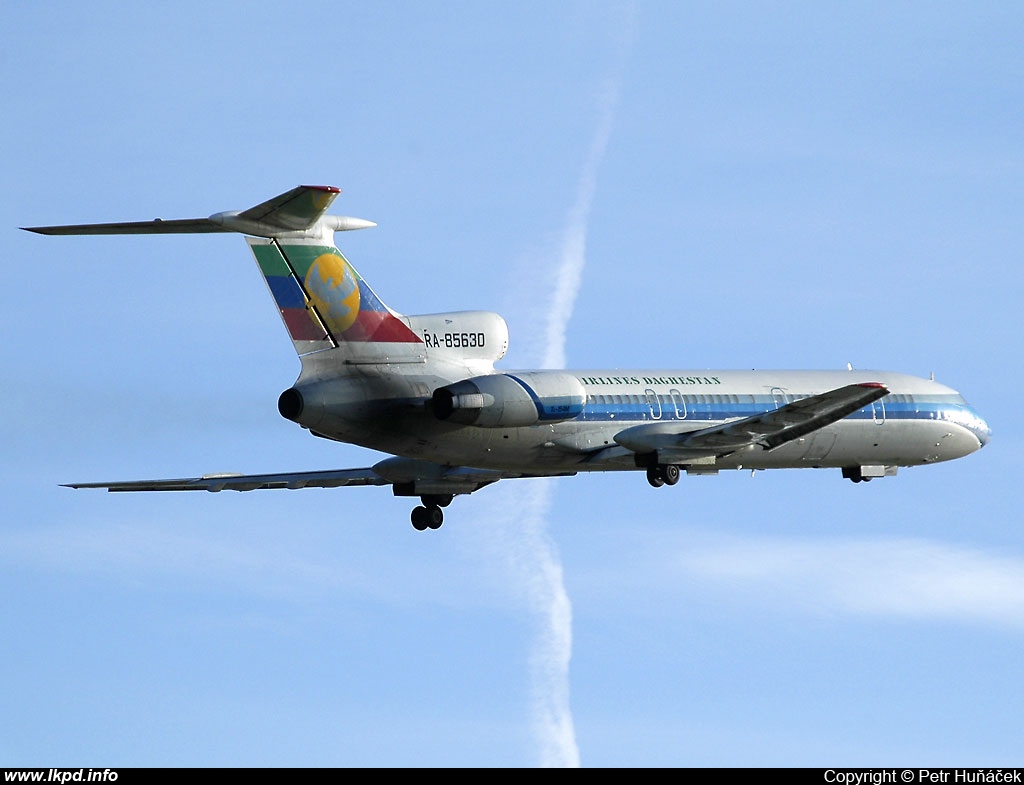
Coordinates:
(323, 301)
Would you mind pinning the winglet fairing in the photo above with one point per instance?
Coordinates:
(425, 389)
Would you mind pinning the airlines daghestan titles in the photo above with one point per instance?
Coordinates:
(647, 380)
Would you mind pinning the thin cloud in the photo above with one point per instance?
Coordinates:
(132, 549)
(295, 571)
(907, 579)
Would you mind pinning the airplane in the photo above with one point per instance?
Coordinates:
(425, 390)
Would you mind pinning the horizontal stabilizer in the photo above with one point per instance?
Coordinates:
(296, 211)
(769, 430)
(158, 226)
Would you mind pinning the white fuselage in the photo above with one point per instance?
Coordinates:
(387, 408)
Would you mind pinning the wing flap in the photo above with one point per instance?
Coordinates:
(769, 430)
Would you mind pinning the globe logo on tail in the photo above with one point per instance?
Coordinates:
(334, 290)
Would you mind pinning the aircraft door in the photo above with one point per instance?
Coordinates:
(780, 397)
(878, 412)
(678, 403)
(653, 404)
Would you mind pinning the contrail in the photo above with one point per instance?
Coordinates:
(553, 723)
(574, 238)
(519, 520)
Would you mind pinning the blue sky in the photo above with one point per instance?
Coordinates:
(749, 185)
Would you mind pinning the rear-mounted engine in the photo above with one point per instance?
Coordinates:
(510, 400)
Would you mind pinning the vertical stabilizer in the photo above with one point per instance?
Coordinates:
(323, 300)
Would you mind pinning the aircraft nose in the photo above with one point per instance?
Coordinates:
(976, 425)
(983, 432)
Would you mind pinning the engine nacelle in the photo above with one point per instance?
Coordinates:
(505, 400)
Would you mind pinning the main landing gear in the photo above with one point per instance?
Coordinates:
(854, 473)
(429, 516)
(663, 474)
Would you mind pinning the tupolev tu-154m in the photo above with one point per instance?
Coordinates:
(425, 390)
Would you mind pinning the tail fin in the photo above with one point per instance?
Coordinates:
(323, 301)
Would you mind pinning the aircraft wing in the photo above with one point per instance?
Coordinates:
(411, 478)
(335, 478)
(768, 431)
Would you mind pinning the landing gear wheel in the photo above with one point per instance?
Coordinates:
(663, 474)
(429, 517)
(853, 473)
(419, 518)
(434, 517)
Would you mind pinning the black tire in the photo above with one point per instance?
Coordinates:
(434, 517)
(670, 472)
(420, 520)
(655, 477)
